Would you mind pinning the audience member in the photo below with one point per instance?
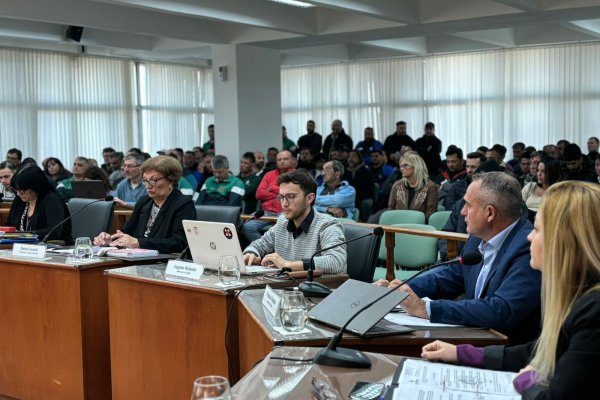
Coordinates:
(312, 140)
(548, 173)
(592, 145)
(497, 153)
(395, 142)
(456, 191)
(299, 231)
(535, 159)
(336, 137)
(64, 188)
(368, 144)
(131, 189)
(221, 189)
(95, 173)
(562, 362)
(339, 152)
(251, 181)
(190, 169)
(579, 166)
(524, 176)
(453, 172)
(7, 170)
(515, 164)
(209, 145)
(116, 164)
(106, 153)
(335, 196)
(361, 179)
(14, 156)
(429, 148)
(306, 160)
(560, 149)
(271, 163)
(483, 150)
(37, 207)
(260, 162)
(550, 151)
(198, 154)
(156, 220)
(380, 169)
(55, 170)
(288, 144)
(267, 192)
(499, 293)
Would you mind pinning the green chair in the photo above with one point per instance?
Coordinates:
(412, 251)
(439, 219)
(391, 217)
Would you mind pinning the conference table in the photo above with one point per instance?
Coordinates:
(279, 379)
(165, 333)
(258, 336)
(54, 337)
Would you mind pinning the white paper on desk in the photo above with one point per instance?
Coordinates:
(425, 380)
(415, 322)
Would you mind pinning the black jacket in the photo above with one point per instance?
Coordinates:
(577, 355)
(167, 234)
(50, 210)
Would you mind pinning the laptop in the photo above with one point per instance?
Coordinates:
(345, 301)
(209, 241)
(89, 189)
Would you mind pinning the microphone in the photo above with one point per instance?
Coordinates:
(316, 289)
(107, 198)
(350, 358)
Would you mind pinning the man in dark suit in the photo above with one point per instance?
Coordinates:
(503, 291)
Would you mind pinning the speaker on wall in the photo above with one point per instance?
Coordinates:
(74, 33)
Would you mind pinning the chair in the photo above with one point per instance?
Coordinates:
(229, 214)
(361, 254)
(391, 217)
(438, 219)
(93, 219)
(412, 251)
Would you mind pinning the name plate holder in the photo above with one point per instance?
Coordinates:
(183, 271)
(271, 301)
(29, 251)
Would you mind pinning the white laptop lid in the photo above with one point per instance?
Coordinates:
(209, 241)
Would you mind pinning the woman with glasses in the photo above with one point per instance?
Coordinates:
(37, 207)
(155, 222)
(415, 191)
(565, 246)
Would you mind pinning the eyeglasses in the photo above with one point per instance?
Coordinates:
(289, 197)
(405, 166)
(152, 182)
(328, 170)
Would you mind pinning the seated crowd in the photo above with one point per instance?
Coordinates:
(494, 201)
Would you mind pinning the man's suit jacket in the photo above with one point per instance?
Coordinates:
(510, 299)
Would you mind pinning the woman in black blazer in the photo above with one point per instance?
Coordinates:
(156, 220)
(37, 207)
(565, 245)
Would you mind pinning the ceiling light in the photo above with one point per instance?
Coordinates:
(293, 3)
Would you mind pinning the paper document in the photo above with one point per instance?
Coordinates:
(425, 380)
(415, 322)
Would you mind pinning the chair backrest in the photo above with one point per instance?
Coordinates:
(361, 254)
(230, 214)
(391, 217)
(439, 218)
(93, 219)
(412, 251)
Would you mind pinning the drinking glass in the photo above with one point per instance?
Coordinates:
(211, 387)
(83, 248)
(292, 311)
(229, 270)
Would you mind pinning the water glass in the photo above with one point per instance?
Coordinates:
(293, 311)
(211, 387)
(229, 270)
(83, 248)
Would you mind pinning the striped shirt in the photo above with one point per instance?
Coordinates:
(325, 231)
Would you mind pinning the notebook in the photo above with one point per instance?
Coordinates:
(132, 253)
(337, 308)
(209, 241)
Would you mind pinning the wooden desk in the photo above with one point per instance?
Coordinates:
(280, 379)
(54, 337)
(165, 334)
(257, 336)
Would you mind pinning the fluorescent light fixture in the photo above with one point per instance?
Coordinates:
(293, 3)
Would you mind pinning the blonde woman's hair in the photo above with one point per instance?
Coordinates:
(571, 251)
(420, 169)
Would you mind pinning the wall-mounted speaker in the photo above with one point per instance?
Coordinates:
(74, 33)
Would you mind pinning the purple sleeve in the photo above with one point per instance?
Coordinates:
(467, 354)
(525, 380)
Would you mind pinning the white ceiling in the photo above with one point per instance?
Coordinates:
(183, 31)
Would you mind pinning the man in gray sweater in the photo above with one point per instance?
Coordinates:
(300, 231)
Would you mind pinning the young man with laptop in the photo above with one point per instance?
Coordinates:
(300, 231)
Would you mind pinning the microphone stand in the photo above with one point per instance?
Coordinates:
(351, 358)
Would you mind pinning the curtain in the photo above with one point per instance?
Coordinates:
(533, 95)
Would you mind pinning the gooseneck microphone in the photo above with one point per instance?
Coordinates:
(107, 198)
(315, 289)
(257, 215)
(350, 358)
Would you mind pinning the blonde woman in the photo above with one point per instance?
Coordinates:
(565, 245)
(415, 191)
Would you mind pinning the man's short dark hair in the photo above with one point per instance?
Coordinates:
(380, 152)
(108, 150)
(135, 150)
(273, 148)
(483, 148)
(595, 139)
(400, 123)
(572, 152)
(478, 155)
(117, 154)
(300, 177)
(249, 156)
(561, 141)
(211, 126)
(500, 149)
(526, 155)
(358, 153)
(17, 152)
(429, 125)
(9, 165)
(519, 145)
(452, 149)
